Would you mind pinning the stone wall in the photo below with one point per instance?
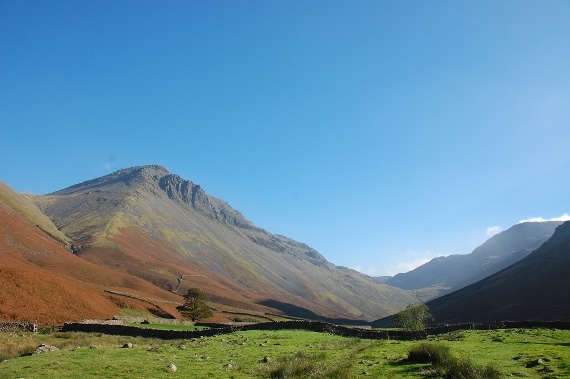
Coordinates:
(24, 326)
(315, 326)
(445, 328)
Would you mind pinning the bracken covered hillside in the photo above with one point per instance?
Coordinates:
(40, 279)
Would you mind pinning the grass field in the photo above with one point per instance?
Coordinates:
(165, 326)
(527, 353)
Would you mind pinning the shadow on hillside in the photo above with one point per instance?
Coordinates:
(159, 312)
(300, 312)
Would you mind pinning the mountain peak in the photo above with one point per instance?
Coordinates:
(146, 170)
(148, 221)
(137, 174)
(127, 176)
(156, 180)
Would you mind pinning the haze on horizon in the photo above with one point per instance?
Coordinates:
(382, 134)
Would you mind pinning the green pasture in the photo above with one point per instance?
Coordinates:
(165, 326)
(525, 353)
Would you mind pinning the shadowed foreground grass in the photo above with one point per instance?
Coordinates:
(529, 353)
(444, 364)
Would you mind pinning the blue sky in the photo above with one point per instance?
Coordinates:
(381, 133)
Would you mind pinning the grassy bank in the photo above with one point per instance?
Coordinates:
(529, 353)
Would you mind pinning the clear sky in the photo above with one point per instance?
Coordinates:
(381, 133)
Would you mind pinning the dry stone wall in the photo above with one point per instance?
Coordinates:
(315, 326)
(446, 328)
(24, 326)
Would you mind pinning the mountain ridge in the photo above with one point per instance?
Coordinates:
(454, 272)
(534, 288)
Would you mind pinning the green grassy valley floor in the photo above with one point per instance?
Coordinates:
(527, 353)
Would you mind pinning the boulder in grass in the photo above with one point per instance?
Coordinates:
(45, 349)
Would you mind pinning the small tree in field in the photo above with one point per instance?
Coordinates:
(195, 306)
(414, 317)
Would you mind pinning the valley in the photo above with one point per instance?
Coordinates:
(140, 237)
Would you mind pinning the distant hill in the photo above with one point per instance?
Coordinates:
(535, 288)
(443, 275)
(156, 226)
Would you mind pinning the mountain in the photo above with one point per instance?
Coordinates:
(40, 279)
(535, 288)
(156, 226)
(446, 274)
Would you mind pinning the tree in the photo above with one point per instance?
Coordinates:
(195, 306)
(414, 317)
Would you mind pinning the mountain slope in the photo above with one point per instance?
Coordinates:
(153, 224)
(535, 288)
(41, 280)
(457, 271)
(22, 205)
